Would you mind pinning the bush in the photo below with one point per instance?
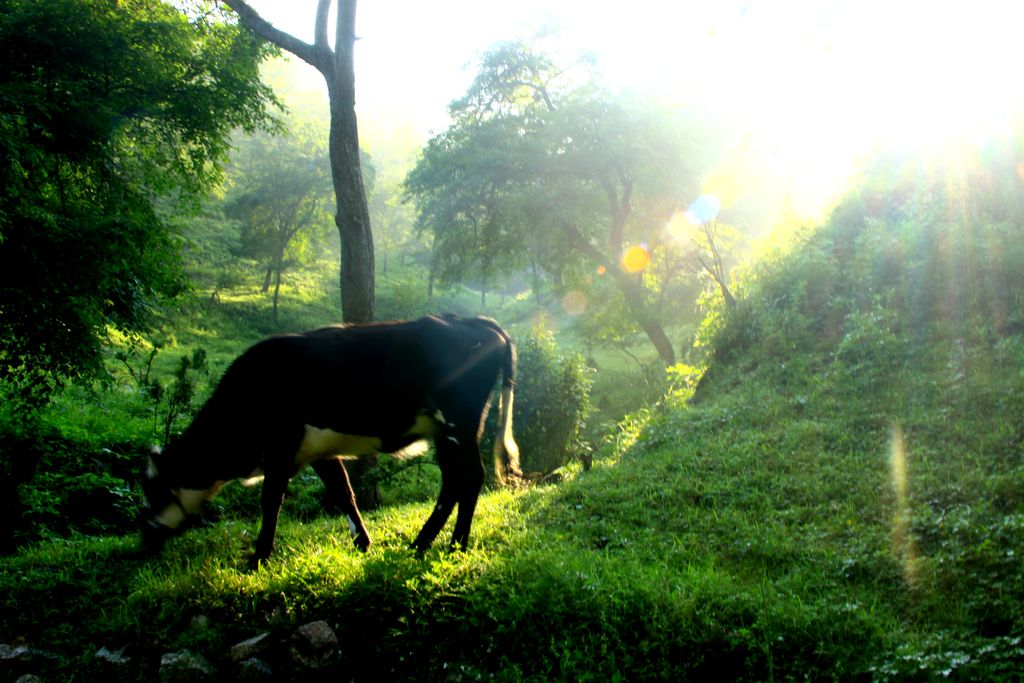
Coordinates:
(552, 401)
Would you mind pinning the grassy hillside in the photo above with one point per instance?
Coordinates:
(844, 499)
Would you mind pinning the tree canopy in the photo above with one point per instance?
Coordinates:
(106, 106)
(567, 176)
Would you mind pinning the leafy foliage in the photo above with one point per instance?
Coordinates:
(552, 401)
(105, 106)
(902, 316)
(843, 501)
(926, 250)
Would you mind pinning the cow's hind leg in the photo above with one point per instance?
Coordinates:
(470, 480)
(462, 476)
(448, 463)
(271, 498)
(341, 498)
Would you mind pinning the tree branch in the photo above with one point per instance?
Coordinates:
(320, 30)
(264, 29)
(589, 250)
(618, 212)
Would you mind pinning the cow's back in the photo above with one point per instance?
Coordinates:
(375, 377)
(370, 380)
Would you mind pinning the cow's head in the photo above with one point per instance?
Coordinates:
(169, 508)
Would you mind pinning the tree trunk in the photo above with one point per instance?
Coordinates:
(352, 218)
(631, 289)
(337, 67)
(430, 280)
(277, 292)
(652, 328)
(656, 333)
(266, 280)
(535, 275)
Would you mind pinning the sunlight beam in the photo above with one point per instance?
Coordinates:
(903, 546)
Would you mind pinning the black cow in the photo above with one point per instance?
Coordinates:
(349, 390)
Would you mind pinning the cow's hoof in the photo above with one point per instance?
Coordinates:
(257, 561)
(362, 542)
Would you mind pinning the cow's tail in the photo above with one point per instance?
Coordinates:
(506, 451)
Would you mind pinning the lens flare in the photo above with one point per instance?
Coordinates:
(704, 209)
(574, 303)
(636, 259)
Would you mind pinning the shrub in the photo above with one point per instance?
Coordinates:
(552, 401)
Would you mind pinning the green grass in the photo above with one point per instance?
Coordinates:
(757, 536)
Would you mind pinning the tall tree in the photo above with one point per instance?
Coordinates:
(106, 106)
(625, 156)
(337, 67)
(582, 174)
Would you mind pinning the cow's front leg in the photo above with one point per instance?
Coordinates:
(341, 497)
(271, 499)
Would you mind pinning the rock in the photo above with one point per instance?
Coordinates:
(10, 653)
(250, 648)
(254, 669)
(16, 659)
(185, 667)
(112, 663)
(29, 678)
(313, 645)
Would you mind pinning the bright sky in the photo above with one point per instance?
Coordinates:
(813, 85)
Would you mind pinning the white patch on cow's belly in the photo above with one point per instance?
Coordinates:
(413, 450)
(325, 443)
(190, 503)
(424, 426)
(171, 517)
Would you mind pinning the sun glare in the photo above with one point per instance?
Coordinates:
(821, 86)
(704, 209)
